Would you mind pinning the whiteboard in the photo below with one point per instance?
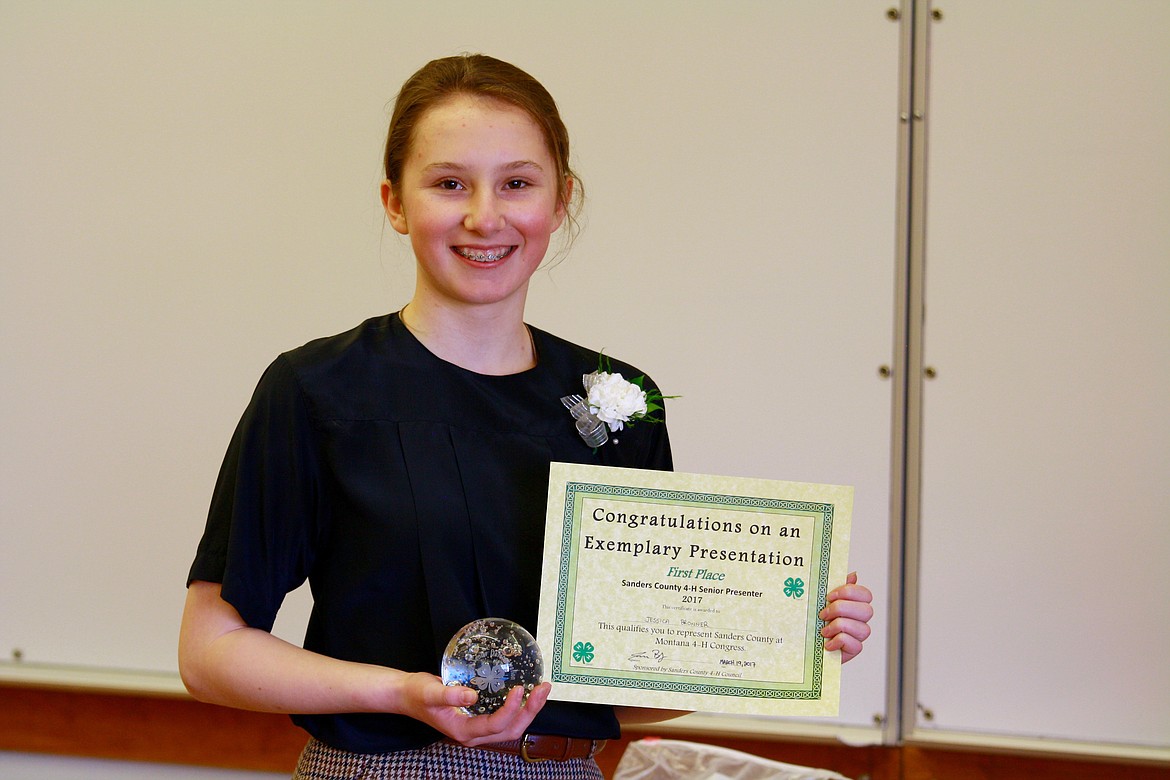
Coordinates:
(190, 189)
(1046, 434)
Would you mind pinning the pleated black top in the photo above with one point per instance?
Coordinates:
(411, 494)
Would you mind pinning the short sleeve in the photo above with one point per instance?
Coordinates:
(267, 510)
(657, 455)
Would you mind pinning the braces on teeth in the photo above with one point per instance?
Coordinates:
(483, 257)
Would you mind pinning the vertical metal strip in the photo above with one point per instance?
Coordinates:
(906, 417)
(915, 364)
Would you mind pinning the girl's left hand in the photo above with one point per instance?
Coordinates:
(846, 614)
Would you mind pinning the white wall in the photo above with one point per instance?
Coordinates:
(29, 766)
(189, 189)
(1046, 453)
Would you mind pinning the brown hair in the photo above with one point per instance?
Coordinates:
(482, 76)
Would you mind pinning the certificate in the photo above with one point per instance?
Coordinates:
(687, 591)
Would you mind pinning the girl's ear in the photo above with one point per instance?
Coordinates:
(563, 205)
(393, 206)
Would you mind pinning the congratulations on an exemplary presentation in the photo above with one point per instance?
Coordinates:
(688, 591)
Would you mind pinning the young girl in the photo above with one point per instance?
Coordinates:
(402, 469)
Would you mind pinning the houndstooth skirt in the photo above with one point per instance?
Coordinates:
(438, 761)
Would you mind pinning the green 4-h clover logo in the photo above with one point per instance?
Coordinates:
(794, 587)
(583, 652)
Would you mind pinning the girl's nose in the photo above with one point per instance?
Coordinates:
(484, 215)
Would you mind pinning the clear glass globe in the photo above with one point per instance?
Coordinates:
(492, 656)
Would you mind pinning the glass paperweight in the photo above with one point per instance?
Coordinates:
(492, 656)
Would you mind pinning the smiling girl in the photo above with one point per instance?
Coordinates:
(402, 467)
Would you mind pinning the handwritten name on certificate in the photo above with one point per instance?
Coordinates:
(686, 591)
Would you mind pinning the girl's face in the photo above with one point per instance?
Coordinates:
(478, 198)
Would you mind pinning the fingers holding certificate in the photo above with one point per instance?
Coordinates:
(691, 592)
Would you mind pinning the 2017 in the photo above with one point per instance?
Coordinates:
(692, 599)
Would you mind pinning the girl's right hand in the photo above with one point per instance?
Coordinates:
(224, 661)
(427, 699)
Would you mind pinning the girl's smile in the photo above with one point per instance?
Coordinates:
(485, 255)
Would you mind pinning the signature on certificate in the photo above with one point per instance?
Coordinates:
(651, 655)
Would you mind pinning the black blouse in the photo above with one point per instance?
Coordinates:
(411, 494)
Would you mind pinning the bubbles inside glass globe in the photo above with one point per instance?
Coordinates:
(491, 656)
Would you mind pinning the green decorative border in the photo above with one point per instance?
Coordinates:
(566, 583)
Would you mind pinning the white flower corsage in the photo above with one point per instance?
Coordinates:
(617, 401)
(611, 400)
(614, 400)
